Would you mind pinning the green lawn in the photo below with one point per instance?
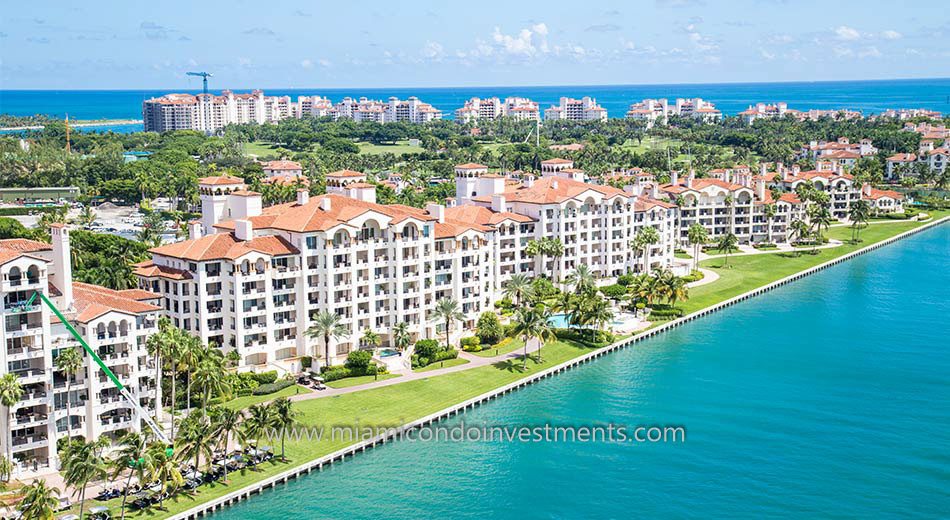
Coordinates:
(359, 380)
(682, 256)
(443, 364)
(506, 346)
(399, 148)
(240, 403)
(401, 403)
(259, 148)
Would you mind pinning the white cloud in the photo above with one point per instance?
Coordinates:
(324, 62)
(528, 42)
(433, 51)
(768, 56)
(307, 64)
(845, 33)
(842, 52)
(891, 34)
(869, 52)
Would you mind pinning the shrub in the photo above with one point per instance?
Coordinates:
(666, 312)
(306, 362)
(270, 388)
(488, 328)
(897, 216)
(427, 347)
(265, 378)
(625, 279)
(471, 344)
(442, 355)
(614, 292)
(335, 372)
(588, 337)
(694, 276)
(358, 360)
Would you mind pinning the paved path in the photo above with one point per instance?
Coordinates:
(709, 276)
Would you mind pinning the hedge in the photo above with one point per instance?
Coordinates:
(265, 378)
(442, 355)
(270, 388)
(337, 372)
(471, 344)
(20, 211)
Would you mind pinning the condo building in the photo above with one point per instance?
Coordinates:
(313, 106)
(209, 113)
(489, 109)
(116, 324)
(928, 157)
(766, 111)
(842, 151)
(584, 109)
(653, 110)
(411, 110)
(251, 278)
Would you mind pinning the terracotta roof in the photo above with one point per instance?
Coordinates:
(92, 301)
(24, 245)
(453, 228)
(225, 246)
(360, 185)
(245, 193)
(557, 160)
(553, 190)
(149, 269)
(282, 165)
(471, 166)
(880, 194)
(345, 174)
(221, 180)
(902, 157)
(482, 215)
(287, 179)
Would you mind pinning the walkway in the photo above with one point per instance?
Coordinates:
(709, 276)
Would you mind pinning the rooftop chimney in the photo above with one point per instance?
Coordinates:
(437, 211)
(762, 169)
(194, 229)
(325, 203)
(760, 188)
(528, 181)
(675, 178)
(690, 179)
(554, 184)
(243, 229)
(498, 203)
(303, 197)
(62, 276)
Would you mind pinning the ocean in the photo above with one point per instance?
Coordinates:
(825, 398)
(731, 98)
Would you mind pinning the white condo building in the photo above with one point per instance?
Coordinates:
(209, 113)
(584, 109)
(116, 324)
(928, 156)
(653, 110)
(766, 111)
(489, 109)
(251, 278)
(314, 106)
(411, 110)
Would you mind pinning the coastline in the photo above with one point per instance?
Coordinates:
(89, 124)
(339, 455)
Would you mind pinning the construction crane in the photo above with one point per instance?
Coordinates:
(204, 79)
(115, 380)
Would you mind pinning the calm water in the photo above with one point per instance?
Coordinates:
(825, 398)
(868, 96)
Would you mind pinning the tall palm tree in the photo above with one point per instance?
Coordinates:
(173, 348)
(226, 423)
(370, 339)
(326, 325)
(726, 244)
(195, 438)
(190, 356)
(157, 346)
(161, 467)
(10, 394)
(535, 249)
(6, 468)
(554, 249)
(644, 288)
(530, 324)
(69, 362)
(769, 211)
(129, 456)
(39, 501)
(821, 219)
(257, 423)
(283, 418)
(582, 279)
(675, 289)
(210, 377)
(82, 463)
(798, 228)
(642, 241)
(518, 288)
(448, 311)
(698, 236)
(859, 215)
(401, 337)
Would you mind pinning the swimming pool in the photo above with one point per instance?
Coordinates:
(388, 352)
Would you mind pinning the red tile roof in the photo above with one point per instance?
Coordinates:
(225, 246)
(221, 180)
(92, 301)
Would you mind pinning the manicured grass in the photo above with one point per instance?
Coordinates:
(399, 148)
(682, 256)
(359, 380)
(442, 364)
(504, 347)
(240, 403)
(259, 148)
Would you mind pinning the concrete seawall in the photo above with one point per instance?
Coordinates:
(349, 451)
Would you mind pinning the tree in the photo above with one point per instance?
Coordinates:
(257, 422)
(39, 501)
(210, 377)
(448, 311)
(489, 329)
(401, 337)
(10, 394)
(283, 418)
(327, 324)
(82, 463)
(162, 467)
(726, 244)
(644, 288)
(859, 214)
(158, 345)
(87, 216)
(769, 210)
(195, 439)
(821, 219)
(698, 236)
(642, 241)
(798, 228)
(6, 468)
(674, 288)
(582, 279)
(518, 288)
(129, 456)
(532, 323)
(189, 355)
(370, 339)
(69, 362)
(226, 423)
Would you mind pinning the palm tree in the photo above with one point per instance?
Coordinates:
(447, 310)
(530, 324)
(69, 361)
(162, 467)
(554, 248)
(698, 236)
(87, 216)
(10, 394)
(189, 356)
(518, 288)
(401, 337)
(599, 313)
(211, 377)
(675, 289)
(798, 228)
(535, 250)
(326, 324)
(644, 288)
(820, 218)
(726, 244)
(769, 211)
(257, 423)
(195, 438)
(82, 463)
(173, 348)
(642, 241)
(370, 339)
(226, 423)
(859, 214)
(39, 501)
(6, 468)
(158, 345)
(284, 418)
(129, 456)
(582, 279)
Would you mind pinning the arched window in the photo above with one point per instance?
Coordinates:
(15, 276)
(33, 274)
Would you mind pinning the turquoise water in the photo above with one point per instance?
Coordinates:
(559, 321)
(825, 398)
(731, 98)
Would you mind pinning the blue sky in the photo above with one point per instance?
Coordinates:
(134, 44)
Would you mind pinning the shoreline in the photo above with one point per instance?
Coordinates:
(353, 449)
(104, 122)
